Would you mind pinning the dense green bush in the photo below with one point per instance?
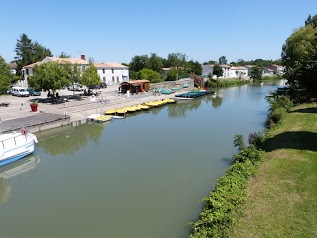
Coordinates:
(278, 106)
(275, 117)
(250, 153)
(221, 83)
(273, 77)
(279, 101)
(222, 205)
(257, 139)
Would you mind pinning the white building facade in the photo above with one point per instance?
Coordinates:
(207, 69)
(112, 73)
(238, 72)
(109, 73)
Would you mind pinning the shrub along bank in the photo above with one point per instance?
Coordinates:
(222, 83)
(222, 205)
(282, 198)
(226, 205)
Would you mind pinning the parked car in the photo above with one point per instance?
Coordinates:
(98, 86)
(76, 87)
(33, 92)
(20, 92)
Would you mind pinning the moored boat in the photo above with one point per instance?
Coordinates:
(103, 118)
(92, 117)
(121, 111)
(16, 145)
(111, 111)
(143, 106)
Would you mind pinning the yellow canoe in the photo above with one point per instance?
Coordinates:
(121, 111)
(130, 109)
(103, 118)
(111, 111)
(159, 102)
(152, 104)
(169, 100)
(143, 107)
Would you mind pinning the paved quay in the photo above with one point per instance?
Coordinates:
(73, 112)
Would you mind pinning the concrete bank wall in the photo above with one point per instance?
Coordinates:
(175, 84)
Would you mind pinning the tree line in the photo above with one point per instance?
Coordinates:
(140, 67)
(299, 55)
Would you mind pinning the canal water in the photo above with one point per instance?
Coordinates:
(142, 176)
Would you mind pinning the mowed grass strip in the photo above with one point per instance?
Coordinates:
(282, 197)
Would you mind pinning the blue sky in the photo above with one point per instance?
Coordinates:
(116, 31)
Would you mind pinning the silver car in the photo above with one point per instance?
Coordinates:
(76, 87)
(20, 92)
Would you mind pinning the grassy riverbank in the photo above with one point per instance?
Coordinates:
(282, 197)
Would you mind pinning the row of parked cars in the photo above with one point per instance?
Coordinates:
(22, 92)
(79, 87)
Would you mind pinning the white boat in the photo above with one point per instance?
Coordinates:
(92, 117)
(117, 117)
(16, 145)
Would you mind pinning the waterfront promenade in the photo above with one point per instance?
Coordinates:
(18, 113)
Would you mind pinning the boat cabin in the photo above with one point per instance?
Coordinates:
(135, 86)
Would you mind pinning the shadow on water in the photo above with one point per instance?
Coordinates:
(293, 140)
(228, 161)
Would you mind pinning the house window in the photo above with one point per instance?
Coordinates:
(113, 79)
(117, 79)
(112, 70)
(103, 71)
(27, 71)
(104, 79)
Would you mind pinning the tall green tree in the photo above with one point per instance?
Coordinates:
(210, 62)
(138, 63)
(223, 60)
(29, 52)
(90, 75)
(177, 60)
(172, 75)
(5, 76)
(194, 67)
(73, 72)
(311, 21)
(40, 52)
(256, 72)
(149, 74)
(49, 76)
(217, 70)
(24, 52)
(64, 55)
(299, 58)
(155, 63)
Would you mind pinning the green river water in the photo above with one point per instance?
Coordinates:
(141, 176)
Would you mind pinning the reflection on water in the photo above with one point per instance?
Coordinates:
(137, 177)
(70, 139)
(13, 169)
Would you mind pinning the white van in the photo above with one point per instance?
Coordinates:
(19, 91)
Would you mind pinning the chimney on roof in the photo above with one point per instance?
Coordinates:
(83, 57)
